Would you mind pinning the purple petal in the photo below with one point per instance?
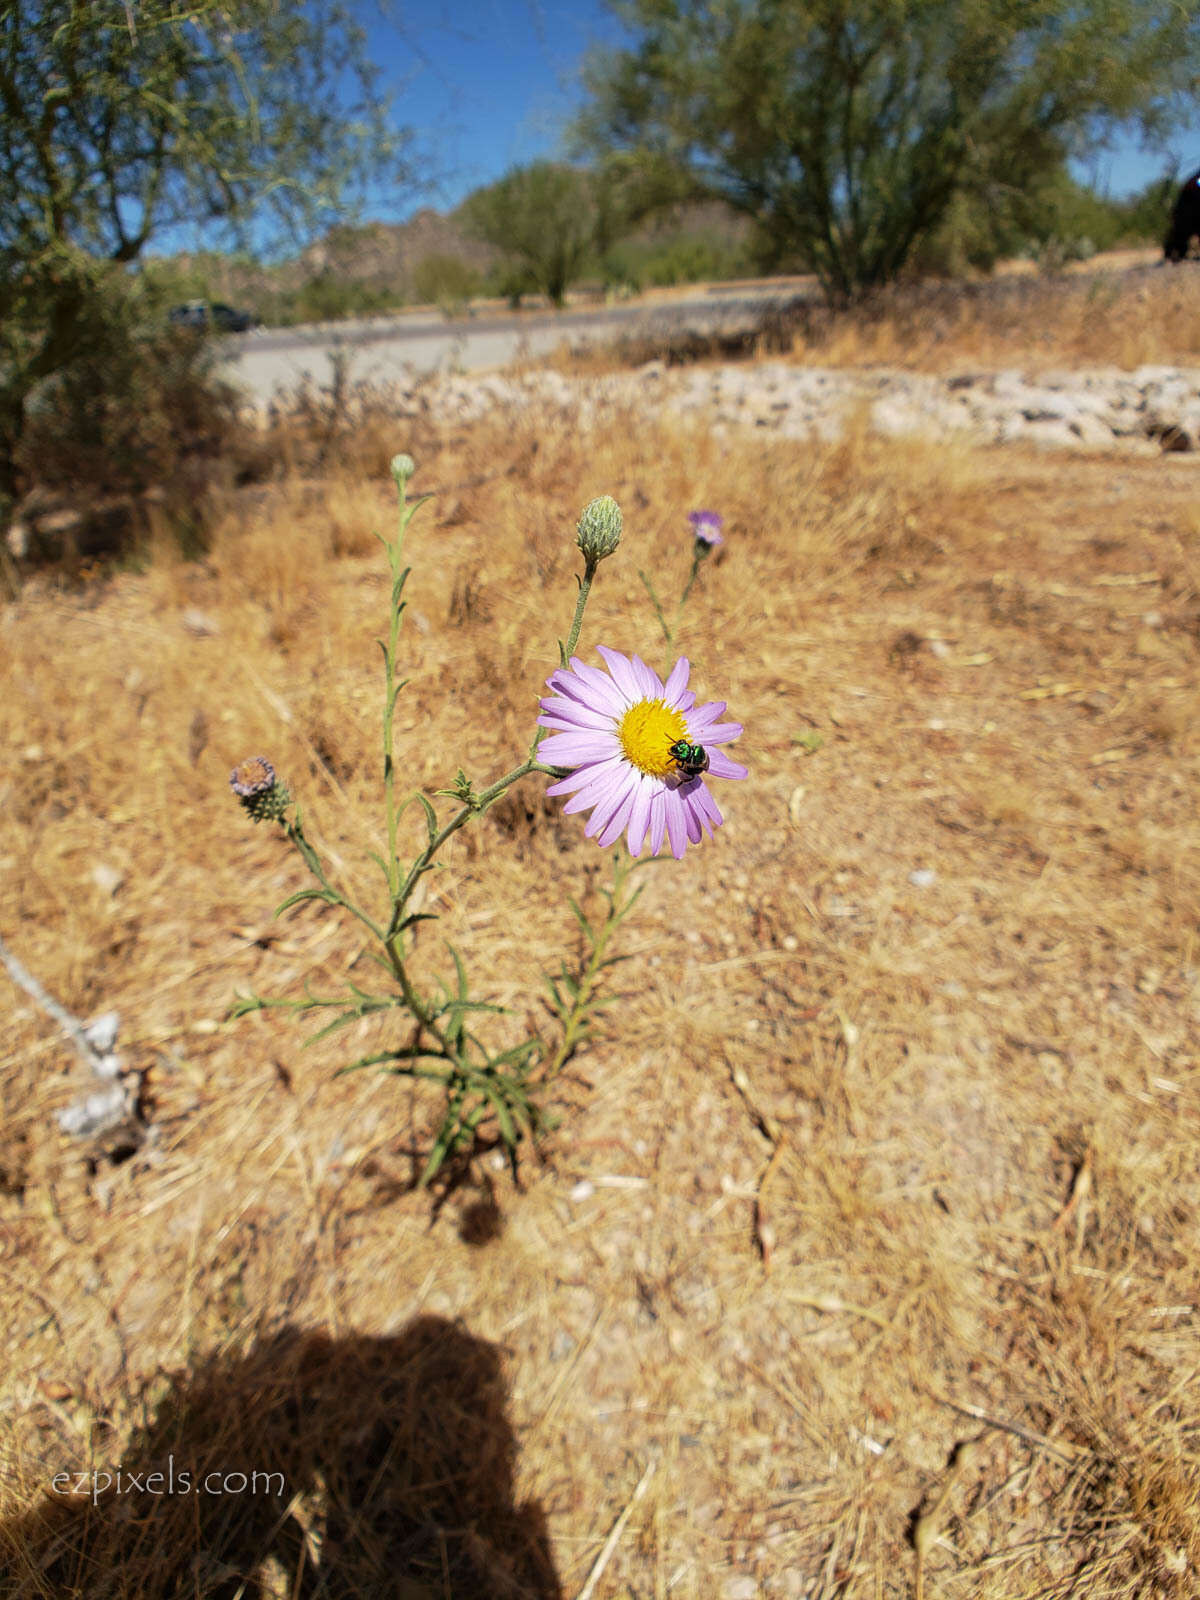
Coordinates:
(577, 779)
(575, 749)
(691, 817)
(707, 806)
(600, 788)
(623, 674)
(616, 825)
(676, 826)
(721, 732)
(639, 819)
(565, 714)
(677, 682)
(709, 712)
(720, 766)
(651, 683)
(658, 819)
(612, 802)
(589, 685)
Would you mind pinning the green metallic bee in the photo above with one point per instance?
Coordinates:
(691, 759)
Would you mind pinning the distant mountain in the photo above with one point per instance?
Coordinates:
(382, 255)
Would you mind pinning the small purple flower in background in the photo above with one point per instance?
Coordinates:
(706, 526)
(256, 786)
(252, 777)
(635, 744)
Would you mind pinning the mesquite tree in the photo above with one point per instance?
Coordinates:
(121, 119)
(847, 128)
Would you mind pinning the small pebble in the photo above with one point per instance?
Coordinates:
(561, 1345)
(923, 878)
(744, 1588)
(199, 623)
(107, 879)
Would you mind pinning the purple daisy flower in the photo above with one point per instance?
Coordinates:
(639, 749)
(707, 525)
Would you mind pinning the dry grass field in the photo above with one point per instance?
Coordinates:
(1122, 308)
(863, 1261)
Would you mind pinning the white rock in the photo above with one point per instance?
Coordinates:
(93, 1113)
(101, 1033)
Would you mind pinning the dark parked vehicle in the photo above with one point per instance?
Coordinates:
(205, 317)
(1185, 220)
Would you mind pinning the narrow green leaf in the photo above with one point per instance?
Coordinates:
(460, 969)
(588, 931)
(503, 1116)
(327, 895)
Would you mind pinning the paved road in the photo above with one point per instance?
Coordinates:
(399, 348)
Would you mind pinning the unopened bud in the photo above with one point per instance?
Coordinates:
(402, 469)
(599, 531)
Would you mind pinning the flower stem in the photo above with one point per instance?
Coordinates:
(474, 807)
(566, 651)
(577, 1018)
(391, 689)
(697, 557)
(668, 633)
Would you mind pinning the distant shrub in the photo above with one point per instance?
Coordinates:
(1052, 223)
(139, 408)
(1054, 253)
(683, 257)
(1144, 216)
(328, 297)
(510, 281)
(445, 281)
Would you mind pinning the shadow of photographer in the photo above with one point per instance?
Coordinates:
(311, 1467)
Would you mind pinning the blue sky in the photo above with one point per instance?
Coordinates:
(491, 84)
(486, 85)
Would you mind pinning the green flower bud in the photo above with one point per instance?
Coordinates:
(599, 531)
(402, 468)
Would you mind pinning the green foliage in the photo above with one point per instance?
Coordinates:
(510, 281)
(445, 281)
(1053, 221)
(326, 297)
(1147, 213)
(547, 219)
(850, 128)
(681, 257)
(118, 121)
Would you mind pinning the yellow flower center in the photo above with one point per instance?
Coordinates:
(647, 731)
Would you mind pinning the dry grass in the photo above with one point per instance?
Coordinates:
(1123, 309)
(888, 1236)
(1106, 315)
